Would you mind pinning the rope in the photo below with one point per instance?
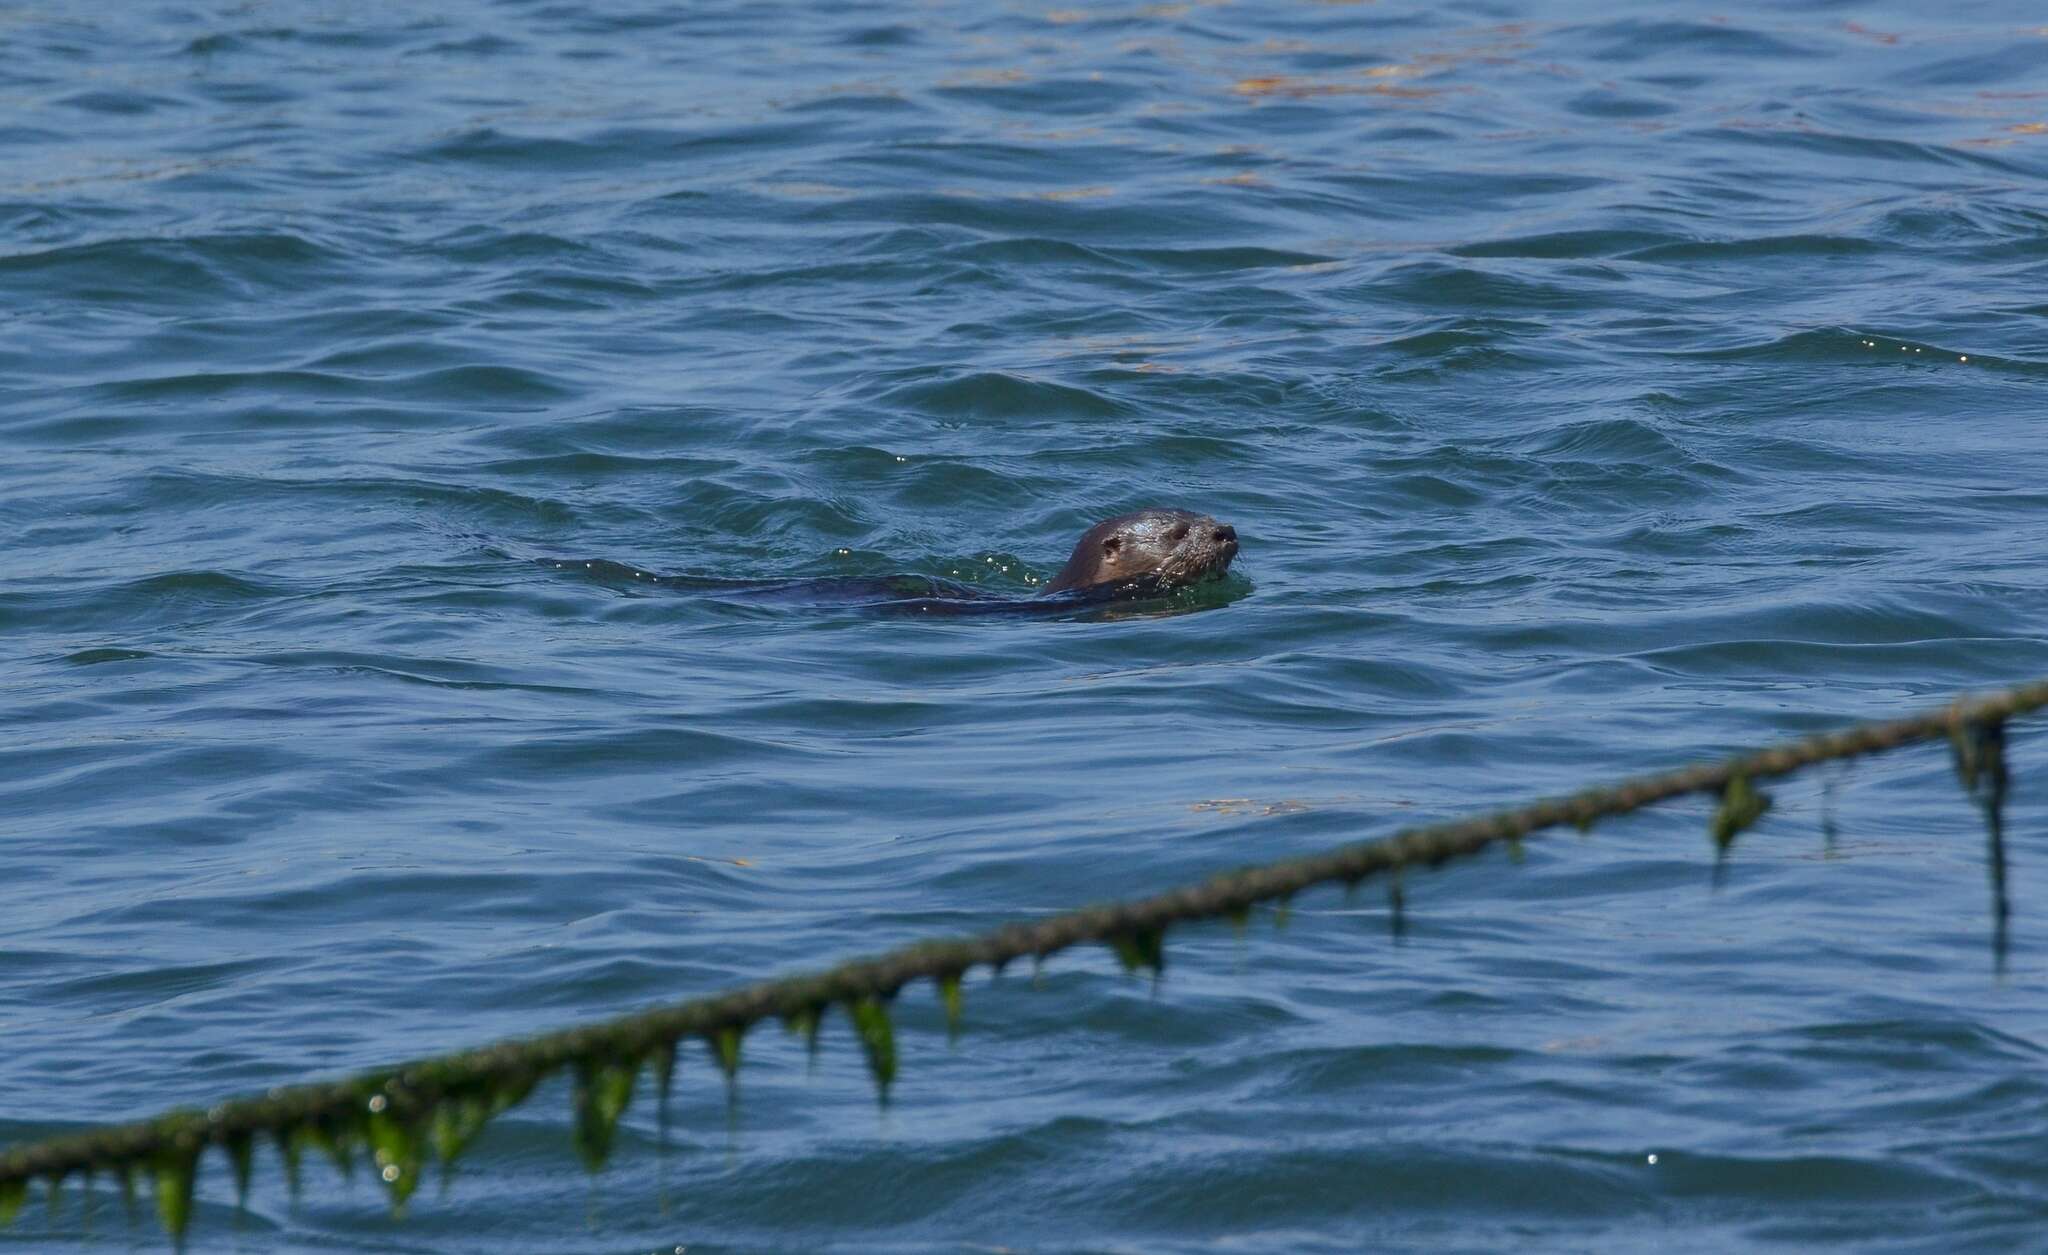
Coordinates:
(401, 1112)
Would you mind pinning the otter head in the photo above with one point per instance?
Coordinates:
(1147, 552)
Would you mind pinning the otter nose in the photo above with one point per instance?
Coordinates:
(1225, 532)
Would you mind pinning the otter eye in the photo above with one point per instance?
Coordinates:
(1113, 544)
(1178, 534)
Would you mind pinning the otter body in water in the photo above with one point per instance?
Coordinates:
(1148, 553)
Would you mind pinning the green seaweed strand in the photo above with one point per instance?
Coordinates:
(174, 1168)
(870, 1018)
(1142, 947)
(1741, 806)
(604, 1089)
(950, 998)
(1979, 746)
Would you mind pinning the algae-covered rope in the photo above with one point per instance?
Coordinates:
(400, 1114)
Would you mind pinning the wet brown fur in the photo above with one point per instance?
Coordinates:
(1147, 551)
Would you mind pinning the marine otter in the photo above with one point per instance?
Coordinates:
(1145, 554)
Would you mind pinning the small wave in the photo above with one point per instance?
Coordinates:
(482, 384)
(1842, 344)
(1833, 648)
(1996, 232)
(203, 585)
(1910, 1042)
(485, 45)
(491, 147)
(853, 100)
(664, 432)
(1464, 345)
(1761, 247)
(1635, 41)
(89, 657)
(153, 272)
(472, 384)
(121, 103)
(1611, 102)
(487, 245)
(893, 35)
(1625, 440)
(594, 465)
(72, 430)
(1567, 244)
(1218, 260)
(210, 384)
(1061, 96)
(156, 983)
(190, 489)
(2016, 61)
(575, 756)
(611, 148)
(1428, 490)
(1803, 139)
(237, 41)
(1465, 334)
(445, 673)
(998, 394)
(1035, 250)
(1435, 284)
(128, 608)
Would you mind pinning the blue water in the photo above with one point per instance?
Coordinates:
(1595, 388)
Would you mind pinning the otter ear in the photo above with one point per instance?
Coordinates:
(1113, 544)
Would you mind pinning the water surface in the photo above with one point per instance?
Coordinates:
(1594, 390)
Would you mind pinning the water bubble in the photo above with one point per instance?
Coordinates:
(1653, 1159)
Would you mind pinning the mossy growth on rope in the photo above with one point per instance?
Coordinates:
(1141, 948)
(604, 1088)
(805, 1023)
(951, 999)
(1741, 806)
(871, 1024)
(725, 1048)
(1979, 747)
(438, 1107)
